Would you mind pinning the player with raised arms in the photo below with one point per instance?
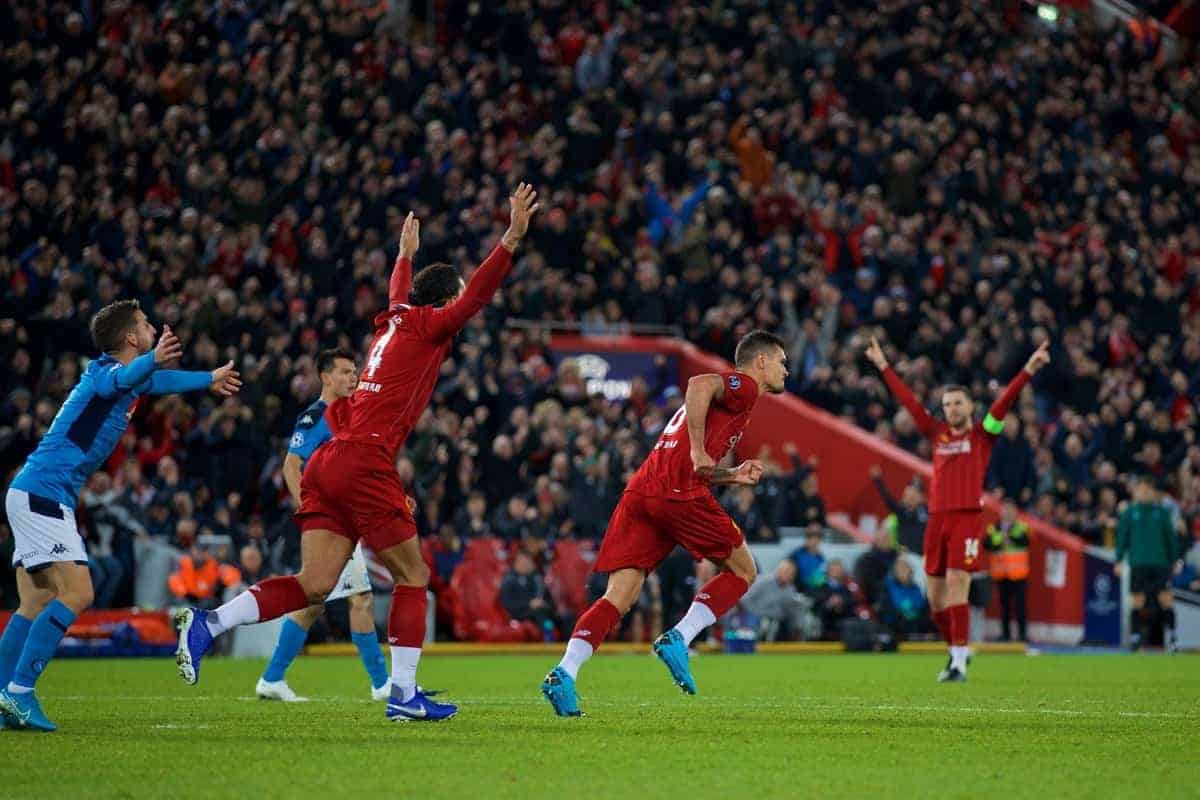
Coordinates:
(669, 502)
(350, 490)
(961, 450)
(53, 581)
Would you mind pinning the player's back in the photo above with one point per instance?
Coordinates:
(668, 471)
(83, 434)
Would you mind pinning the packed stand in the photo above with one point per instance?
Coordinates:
(945, 175)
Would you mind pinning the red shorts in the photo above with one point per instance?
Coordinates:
(952, 541)
(643, 530)
(352, 489)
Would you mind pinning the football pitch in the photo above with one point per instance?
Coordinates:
(762, 726)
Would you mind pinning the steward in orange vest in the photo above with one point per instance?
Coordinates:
(1007, 542)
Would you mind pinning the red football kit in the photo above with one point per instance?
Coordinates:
(350, 485)
(960, 462)
(667, 503)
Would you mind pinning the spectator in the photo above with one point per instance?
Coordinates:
(523, 595)
(873, 567)
(901, 605)
(907, 521)
(808, 509)
(743, 509)
(1011, 469)
(810, 563)
(252, 568)
(111, 529)
(784, 613)
(836, 598)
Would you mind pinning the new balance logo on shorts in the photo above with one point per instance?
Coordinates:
(583, 634)
(703, 596)
(58, 550)
(347, 585)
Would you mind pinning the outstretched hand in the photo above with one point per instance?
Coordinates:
(523, 204)
(410, 237)
(875, 355)
(1039, 359)
(226, 381)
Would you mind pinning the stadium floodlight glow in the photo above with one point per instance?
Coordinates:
(1047, 12)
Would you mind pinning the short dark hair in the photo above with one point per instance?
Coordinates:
(111, 324)
(755, 342)
(327, 358)
(957, 387)
(435, 285)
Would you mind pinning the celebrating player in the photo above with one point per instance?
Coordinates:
(52, 566)
(961, 449)
(350, 489)
(339, 375)
(668, 502)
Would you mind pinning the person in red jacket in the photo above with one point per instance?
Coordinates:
(961, 449)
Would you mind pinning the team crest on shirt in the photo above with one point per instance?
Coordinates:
(735, 382)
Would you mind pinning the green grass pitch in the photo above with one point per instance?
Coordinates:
(762, 726)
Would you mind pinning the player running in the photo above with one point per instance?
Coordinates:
(961, 449)
(668, 502)
(52, 565)
(350, 490)
(339, 376)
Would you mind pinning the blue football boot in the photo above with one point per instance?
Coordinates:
(559, 688)
(671, 650)
(419, 709)
(23, 712)
(194, 642)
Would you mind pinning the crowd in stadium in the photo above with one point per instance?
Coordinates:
(956, 181)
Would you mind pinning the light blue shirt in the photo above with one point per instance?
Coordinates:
(91, 421)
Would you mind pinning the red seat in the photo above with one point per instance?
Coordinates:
(478, 615)
(568, 575)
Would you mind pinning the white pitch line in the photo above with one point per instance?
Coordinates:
(802, 705)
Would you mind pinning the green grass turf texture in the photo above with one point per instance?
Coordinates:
(762, 726)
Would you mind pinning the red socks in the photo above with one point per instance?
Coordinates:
(278, 596)
(942, 621)
(722, 593)
(595, 624)
(959, 628)
(406, 622)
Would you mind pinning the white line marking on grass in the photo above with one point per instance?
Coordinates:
(801, 704)
(167, 726)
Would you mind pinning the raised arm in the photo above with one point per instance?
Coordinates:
(888, 498)
(447, 321)
(401, 282)
(993, 423)
(925, 423)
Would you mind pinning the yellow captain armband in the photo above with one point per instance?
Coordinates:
(992, 425)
